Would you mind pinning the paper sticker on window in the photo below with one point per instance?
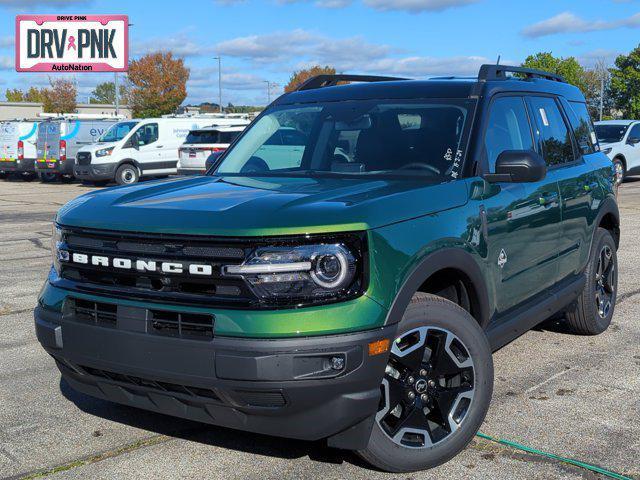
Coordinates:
(594, 139)
(543, 115)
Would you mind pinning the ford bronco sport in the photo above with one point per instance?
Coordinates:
(353, 286)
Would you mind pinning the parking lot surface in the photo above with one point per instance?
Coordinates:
(573, 396)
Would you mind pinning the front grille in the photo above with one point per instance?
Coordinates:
(193, 326)
(83, 158)
(163, 387)
(176, 288)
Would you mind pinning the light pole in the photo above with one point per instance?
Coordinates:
(219, 81)
(268, 91)
(115, 82)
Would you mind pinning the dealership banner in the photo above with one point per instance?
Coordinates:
(72, 43)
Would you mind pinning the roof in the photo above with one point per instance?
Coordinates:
(448, 87)
(615, 122)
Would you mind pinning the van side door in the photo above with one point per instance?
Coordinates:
(148, 155)
(522, 219)
(632, 149)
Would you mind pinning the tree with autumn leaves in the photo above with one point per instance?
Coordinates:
(300, 76)
(158, 84)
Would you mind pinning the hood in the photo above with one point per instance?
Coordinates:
(241, 206)
(97, 146)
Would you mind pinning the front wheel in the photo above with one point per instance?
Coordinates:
(619, 170)
(436, 389)
(127, 174)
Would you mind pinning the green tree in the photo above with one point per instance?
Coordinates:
(158, 84)
(105, 92)
(34, 95)
(625, 83)
(568, 67)
(14, 95)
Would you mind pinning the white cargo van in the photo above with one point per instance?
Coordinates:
(18, 146)
(59, 139)
(148, 148)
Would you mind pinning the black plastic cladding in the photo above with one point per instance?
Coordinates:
(356, 241)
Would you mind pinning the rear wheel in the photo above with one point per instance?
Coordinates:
(127, 174)
(592, 312)
(48, 177)
(436, 389)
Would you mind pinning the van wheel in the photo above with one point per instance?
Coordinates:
(127, 174)
(436, 389)
(591, 314)
(47, 177)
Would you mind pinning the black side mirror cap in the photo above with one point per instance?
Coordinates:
(518, 166)
(633, 140)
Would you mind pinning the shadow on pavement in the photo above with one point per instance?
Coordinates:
(247, 442)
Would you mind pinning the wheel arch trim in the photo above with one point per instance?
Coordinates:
(447, 258)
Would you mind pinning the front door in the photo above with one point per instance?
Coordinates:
(149, 150)
(522, 219)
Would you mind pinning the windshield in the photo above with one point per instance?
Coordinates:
(369, 137)
(610, 133)
(117, 132)
(210, 136)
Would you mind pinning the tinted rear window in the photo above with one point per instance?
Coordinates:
(210, 136)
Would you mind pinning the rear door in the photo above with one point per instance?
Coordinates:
(564, 133)
(8, 140)
(522, 218)
(48, 145)
(632, 149)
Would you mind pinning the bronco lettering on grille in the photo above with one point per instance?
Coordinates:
(139, 265)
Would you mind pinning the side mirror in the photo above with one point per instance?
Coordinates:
(518, 166)
(133, 142)
(633, 140)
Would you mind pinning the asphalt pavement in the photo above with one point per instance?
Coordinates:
(569, 395)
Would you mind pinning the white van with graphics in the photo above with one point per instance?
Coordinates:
(18, 147)
(134, 148)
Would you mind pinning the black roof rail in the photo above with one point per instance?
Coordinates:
(498, 72)
(321, 81)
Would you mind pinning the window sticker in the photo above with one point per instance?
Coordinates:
(455, 166)
(594, 139)
(543, 115)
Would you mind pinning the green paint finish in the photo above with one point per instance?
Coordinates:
(356, 315)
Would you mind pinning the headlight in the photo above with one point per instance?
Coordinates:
(103, 152)
(607, 151)
(56, 242)
(303, 273)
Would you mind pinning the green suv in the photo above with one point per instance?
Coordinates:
(346, 268)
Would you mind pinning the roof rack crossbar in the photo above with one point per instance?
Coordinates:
(497, 72)
(321, 81)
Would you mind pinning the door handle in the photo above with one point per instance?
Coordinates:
(159, 146)
(548, 198)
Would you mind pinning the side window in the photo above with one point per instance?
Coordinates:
(508, 128)
(147, 134)
(293, 138)
(634, 134)
(582, 126)
(554, 134)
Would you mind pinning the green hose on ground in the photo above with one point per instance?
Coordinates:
(570, 461)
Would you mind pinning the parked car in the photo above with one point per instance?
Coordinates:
(59, 140)
(620, 140)
(199, 144)
(353, 287)
(138, 148)
(212, 159)
(18, 147)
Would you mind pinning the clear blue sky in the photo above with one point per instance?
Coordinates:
(267, 39)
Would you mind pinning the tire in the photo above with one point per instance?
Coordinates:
(434, 322)
(127, 174)
(619, 169)
(99, 183)
(592, 312)
(48, 177)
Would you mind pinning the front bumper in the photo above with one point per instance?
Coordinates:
(64, 167)
(17, 166)
(283, 387)
(95, 172)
